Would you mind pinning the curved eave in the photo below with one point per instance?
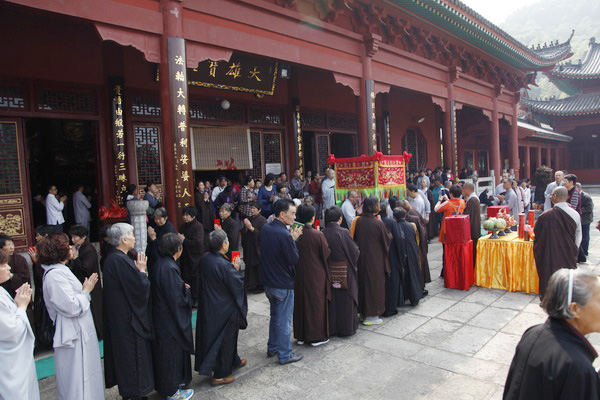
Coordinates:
(544, 133)
(535, 108)
(480, 35)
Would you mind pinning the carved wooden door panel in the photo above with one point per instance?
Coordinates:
(323, 151)
(15, 211)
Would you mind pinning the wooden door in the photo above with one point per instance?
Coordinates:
(15, 209)
(323, 147)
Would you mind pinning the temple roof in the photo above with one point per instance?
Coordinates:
(589, 68)
(543, 133)
(577, 105)
(456, 17)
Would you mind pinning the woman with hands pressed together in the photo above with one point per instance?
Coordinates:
(76, 351)
(18, 379)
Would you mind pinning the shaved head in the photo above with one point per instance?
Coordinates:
(561, 193)
(404, 204)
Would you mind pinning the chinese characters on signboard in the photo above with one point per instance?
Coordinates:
(371, 117)
(181, 144)
(119, 141)
(298, 139)
(241, 74)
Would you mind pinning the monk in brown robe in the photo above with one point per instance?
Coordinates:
(415, 217)
(312, 286)
(343, 309)
(557, 238)
(251, 245)
(192, 234)
(473, 210)
(373, 239)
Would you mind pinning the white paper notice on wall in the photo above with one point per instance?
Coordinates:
(273, 168)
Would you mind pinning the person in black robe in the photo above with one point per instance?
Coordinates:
(554, 360)
(192, 234)
(251, 246)
(415, 217)
(343, 308)
(206, 211)
(406, 280)
(83, 266)
(161, 227)
(19, 271)
(230, 226)
(172, 321)
(222, 309)
(127, 317)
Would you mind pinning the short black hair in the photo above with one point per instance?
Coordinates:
(150, 183)
(189, 210)
(247, 179)
(571, 178)
(456, 191)
(256, 204)
(279, 186)
(332, 214)
(393, 201)
(305, 213)
(282, 205)
(270, 178)
(370, 205)
(169, 244)
(3, 239)
(411, 188)
(131, 188)
(399, 214)
(79, 230)
(43, 230)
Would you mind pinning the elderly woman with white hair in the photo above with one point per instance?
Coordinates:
(554, 360)
(127, 317)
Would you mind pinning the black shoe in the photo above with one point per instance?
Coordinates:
(388, 314)
(271, 354)
(293, 358)
(425, 292)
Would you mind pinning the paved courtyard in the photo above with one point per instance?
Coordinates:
(453, 345)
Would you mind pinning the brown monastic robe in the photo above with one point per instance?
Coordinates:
(251, 246)
(343, 309)
(415, 217)
(83, 266)
(312, 288)
(432, 225)
(373, 239)
(193, 249)
(473, 210)
(554, 246)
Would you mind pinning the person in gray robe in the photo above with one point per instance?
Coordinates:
(76, 351)
(18, 379)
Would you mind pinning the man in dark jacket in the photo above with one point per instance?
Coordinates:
(587, 216)
(278, 257)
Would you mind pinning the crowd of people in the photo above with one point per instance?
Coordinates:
(324, 269)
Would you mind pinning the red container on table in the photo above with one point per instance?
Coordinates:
(521, 225)
(234, 255)
(458, 268)
(531, 218)
(458, 229)
(492, 211)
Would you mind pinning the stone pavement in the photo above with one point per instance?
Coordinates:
(453, 345)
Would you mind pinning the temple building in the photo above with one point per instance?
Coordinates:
(577, 115)
(107, 93)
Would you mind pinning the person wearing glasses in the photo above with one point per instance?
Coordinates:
(554, 360)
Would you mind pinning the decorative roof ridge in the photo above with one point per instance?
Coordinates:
(553, 45)
(531, 51)
(576, 105)
(591, 60)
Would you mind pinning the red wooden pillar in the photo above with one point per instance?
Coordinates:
(449, 114)
(179, 179)
(514, 137)
(527, 167)
(495, 139)
(549, 157)
(538, 157)
(367, 139)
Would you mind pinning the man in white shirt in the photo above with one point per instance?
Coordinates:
(422, 177)
(81, 207)
(328, 189)
(218, 189)
(416, 201)
(558, 181)
(54, 208)
(349, 208)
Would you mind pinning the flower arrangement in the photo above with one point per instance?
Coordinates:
(510, 221)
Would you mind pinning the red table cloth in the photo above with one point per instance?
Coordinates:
(458, 266)
(458, 229)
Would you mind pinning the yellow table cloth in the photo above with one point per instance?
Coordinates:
(506, 263)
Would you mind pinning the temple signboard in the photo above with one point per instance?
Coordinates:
(242, 74)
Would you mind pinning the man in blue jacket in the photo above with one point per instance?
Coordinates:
(278, 257)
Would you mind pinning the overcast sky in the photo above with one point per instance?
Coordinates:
(497, 10)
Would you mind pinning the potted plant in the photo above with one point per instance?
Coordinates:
(542, 177)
